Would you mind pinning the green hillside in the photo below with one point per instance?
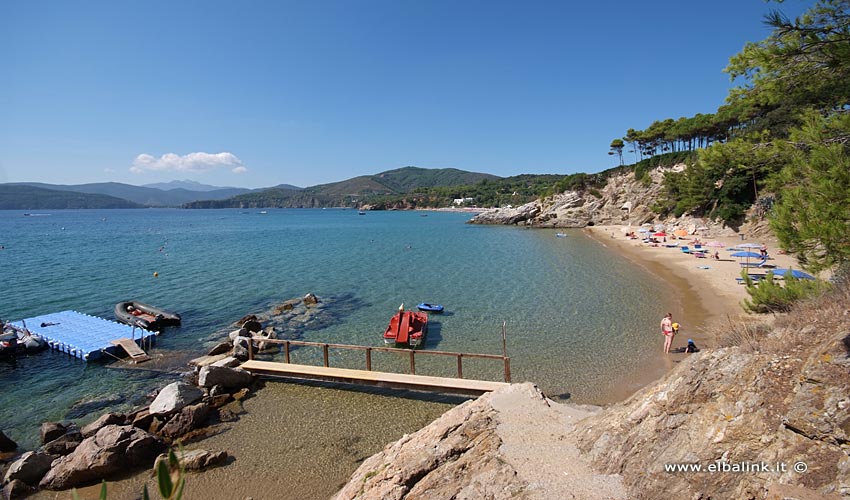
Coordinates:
(353, 192)
(21, 197)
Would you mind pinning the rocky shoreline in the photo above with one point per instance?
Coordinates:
(181, 412)
(768, 411)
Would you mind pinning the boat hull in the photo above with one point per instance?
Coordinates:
(435, 308)
(151, 318)
(407, 328)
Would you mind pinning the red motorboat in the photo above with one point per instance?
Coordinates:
(407, 327)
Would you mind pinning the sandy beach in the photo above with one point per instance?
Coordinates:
(710, 296)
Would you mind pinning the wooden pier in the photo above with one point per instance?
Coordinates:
(411, 380)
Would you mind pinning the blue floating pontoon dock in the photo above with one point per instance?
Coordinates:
(81, 335)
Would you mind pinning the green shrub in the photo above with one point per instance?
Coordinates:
(769, 296)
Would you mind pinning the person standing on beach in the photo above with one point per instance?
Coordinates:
(667, 331)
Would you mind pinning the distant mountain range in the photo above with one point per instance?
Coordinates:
(27, 197)
(137, 195)
(356, 191)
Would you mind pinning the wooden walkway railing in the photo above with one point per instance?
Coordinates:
(411, 353)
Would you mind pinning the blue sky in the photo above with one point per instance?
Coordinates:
(262, 93)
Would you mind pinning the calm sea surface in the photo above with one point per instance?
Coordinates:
(580, 319)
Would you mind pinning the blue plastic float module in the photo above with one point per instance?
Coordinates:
(81, 335)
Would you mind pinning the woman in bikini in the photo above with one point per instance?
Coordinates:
(667, 331)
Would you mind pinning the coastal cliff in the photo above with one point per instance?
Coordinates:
(768, 411)
(623, 199)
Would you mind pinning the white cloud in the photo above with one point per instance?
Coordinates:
(109, 170)
(192, 162)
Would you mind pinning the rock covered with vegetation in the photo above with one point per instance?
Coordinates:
(622, 199)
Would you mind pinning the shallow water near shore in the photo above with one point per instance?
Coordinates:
(581, 321)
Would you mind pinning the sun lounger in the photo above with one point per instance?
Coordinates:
(685, 249)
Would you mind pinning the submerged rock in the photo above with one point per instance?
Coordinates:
(196, 460)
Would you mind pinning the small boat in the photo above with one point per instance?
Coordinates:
(561, 235)
(144, 316)
(435, 308)
(15, 340)
(407, 327)
(361, 212)
(263, 212)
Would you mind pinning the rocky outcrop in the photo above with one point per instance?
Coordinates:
(766, 415)
(113, 449)
(622, 200)
(488, 448)
(776, 402)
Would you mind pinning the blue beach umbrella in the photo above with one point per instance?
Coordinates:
(793, 272)
(747, 255)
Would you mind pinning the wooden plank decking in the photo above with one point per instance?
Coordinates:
(383, 379)
(136, 353)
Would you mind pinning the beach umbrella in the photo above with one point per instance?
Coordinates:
(680, 232)
(793, 272)
(747, 255)
(643, 230)
(715, 244)
(660, 234)
(750, 245)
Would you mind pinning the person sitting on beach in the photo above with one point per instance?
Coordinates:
(716, 255)
(691, 346)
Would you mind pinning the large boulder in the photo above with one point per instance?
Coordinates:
(30, 468)
(104, 420)
(173, 397)
(51, 431)
(112, 450)
(231, 378)
(189, 418)
(7, 444)
(65, 443)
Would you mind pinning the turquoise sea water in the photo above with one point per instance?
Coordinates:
(579, 318)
